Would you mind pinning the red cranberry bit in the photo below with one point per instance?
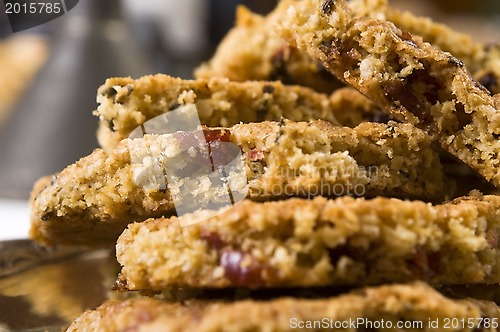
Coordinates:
(220, 154)
(193, 139)
(425, 264)
(241, 269)
(210, 142)
(399, 91)
(213, 239)
(216, 135)
(420, 260)
(255, 155)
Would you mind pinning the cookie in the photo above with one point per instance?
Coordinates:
(125, 103)
(91, 201)
(351, 108)
(305, 243)
(412, 307)
(419, 83)
(253, 51)
(488, 73)
(440, 35)
(482, 61)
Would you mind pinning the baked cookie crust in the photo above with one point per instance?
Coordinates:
(252, 50)
(91, 201)
(319, 242)
(126, 104)
(416, 303)
(482, 61)
(418, 82)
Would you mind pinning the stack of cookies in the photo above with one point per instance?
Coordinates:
(360, 127)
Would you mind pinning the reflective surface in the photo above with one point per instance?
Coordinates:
(45, 290)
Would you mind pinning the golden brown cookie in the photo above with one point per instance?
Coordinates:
(412, 307)
(91, 201)
(319, 242)
(125, 103)
(482, 61)
(419, 83)
(252, 50)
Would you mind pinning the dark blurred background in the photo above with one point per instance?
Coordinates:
(49, 74)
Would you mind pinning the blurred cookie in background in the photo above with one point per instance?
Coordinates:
(21, 57)
(480, 18)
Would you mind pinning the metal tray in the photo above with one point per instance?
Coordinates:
(44, 290)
